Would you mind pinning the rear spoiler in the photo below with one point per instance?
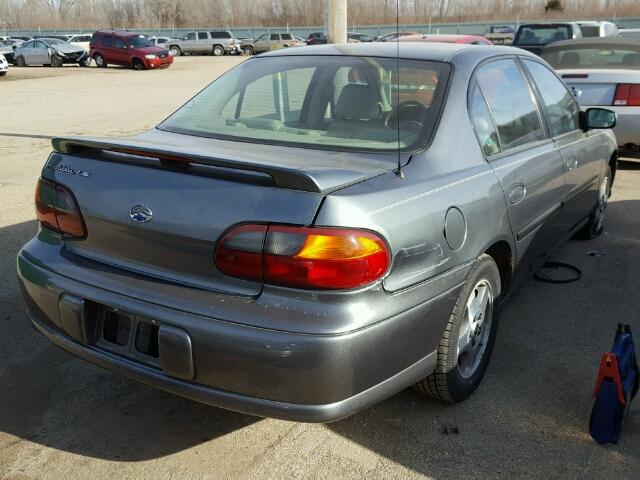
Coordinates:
(133, 151)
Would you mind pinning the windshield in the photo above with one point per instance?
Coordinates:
(324, 102)
(53, 41)
(139, 42)
(602, 56)
(543, 34)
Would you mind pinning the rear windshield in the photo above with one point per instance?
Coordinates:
(139, 42)
(542, 34)
(341, 102)
(604, 56)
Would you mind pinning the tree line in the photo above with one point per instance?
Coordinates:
(30, 14)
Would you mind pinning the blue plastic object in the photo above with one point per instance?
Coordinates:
(616, 385)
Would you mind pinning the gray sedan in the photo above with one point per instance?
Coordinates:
(49, 51)
(319, 228)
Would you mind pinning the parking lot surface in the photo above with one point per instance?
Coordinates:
(61, 417)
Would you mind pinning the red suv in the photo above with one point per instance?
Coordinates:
(128, 49)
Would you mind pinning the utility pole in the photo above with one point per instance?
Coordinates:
(337, 28)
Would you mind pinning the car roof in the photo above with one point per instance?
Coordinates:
(594, 41)
(408, 50)
(442, 37)
(122, 33)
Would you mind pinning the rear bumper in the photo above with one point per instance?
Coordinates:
(299, 377)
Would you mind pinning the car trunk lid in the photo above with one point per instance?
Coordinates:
(597, 87)
(158, 208)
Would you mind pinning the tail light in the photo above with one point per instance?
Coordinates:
(303, 257)
(57, 209)
(627, 95)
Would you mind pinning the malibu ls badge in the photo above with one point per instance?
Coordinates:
(140, 214)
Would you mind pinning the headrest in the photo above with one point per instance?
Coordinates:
(357, 102)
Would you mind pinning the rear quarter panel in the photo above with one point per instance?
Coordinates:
(410, 212)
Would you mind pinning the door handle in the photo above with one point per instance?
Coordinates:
(571, 164)
(517, 193)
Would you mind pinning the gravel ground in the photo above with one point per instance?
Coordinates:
(61, 417)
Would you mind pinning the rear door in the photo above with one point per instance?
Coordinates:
(579, 150)
(26, 51)
(262, 43)
(106, 48)
(526, 161)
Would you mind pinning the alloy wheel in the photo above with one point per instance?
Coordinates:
(474, 331)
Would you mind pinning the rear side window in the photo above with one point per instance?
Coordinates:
(220, 35)
(482, 121)
(202, 35)
(275, 36)
(511, 103)
(107, 41)
(561, 109)
(286, 36)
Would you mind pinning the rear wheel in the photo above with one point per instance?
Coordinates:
(218, 50)
(594, 226)
(20, 62)
(137, 64)
(175, 50)
(56, 61)
(466, 344)
(100, 61)
(248, 50)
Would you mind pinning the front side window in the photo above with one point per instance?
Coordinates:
(511, 102)
(326, 102)
(561, 109)
(190, 36)
(118, 43)
(275, 36)
(139, 41)
(482, 121)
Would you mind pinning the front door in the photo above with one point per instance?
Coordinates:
(580, 151)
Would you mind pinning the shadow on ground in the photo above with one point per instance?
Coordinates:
(529, 417)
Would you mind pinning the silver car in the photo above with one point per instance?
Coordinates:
(216, 43)
(49, 51)
(319, 228)
(604, 72)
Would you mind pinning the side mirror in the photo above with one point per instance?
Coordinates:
(598, 118)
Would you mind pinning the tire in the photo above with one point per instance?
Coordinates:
(175, 50)
(218, 51)
(137, 64)
(20, 62)
(2, 74)
(594, 228)
(56, 61)
(85, 62)
(100, 61)
(472, 326)
(248, 50)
